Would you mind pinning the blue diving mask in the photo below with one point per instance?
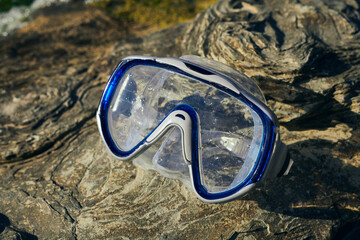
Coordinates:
(206, 123)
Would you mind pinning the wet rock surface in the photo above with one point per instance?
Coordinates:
(58, 180)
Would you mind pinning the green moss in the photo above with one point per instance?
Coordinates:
(6, 5)
(155, 13)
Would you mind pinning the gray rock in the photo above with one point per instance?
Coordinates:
(59, 182)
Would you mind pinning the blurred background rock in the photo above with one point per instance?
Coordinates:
(57, 181)
(140, 15)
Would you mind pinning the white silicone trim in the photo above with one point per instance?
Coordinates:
(212, 78)
(185, 126)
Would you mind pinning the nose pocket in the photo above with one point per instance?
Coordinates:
(169, 159)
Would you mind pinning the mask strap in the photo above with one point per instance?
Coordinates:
(286, 167)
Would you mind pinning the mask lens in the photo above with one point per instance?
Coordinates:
(229, 156)
(231, 132)
(131, 115)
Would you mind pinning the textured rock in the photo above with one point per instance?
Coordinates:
(58, 181)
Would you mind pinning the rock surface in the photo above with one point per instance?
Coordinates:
(59, 182)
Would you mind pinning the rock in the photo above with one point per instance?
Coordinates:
(58, 181)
